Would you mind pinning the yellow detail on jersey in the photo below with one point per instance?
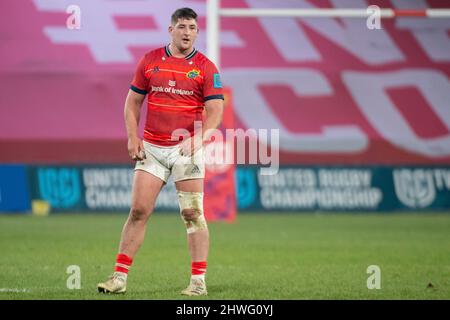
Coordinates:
(193, 74)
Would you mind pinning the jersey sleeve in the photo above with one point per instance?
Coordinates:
(212, 86)
(139, 83)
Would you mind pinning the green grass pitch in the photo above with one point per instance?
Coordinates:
(260, 256)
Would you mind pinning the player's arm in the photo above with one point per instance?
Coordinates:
(132, 113)
(214, 112)
(213, 95)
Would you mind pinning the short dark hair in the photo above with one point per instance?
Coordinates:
(183, 13)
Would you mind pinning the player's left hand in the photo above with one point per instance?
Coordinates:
(191, 145)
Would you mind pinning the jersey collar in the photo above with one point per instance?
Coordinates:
(189, 56)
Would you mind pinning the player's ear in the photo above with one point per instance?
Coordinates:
(170, 29)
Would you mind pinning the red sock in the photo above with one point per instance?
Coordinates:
(198, 268)
(123, 263)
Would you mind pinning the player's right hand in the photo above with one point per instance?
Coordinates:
(136, 149)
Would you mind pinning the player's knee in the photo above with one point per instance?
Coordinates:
(191, 214)
(191, 209)
(139, 213)
(194, 220)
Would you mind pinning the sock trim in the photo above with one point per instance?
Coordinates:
(123, 263)
(198, 267)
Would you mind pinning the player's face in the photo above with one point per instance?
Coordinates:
(184, 34)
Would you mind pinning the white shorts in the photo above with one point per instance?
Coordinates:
(164, 161)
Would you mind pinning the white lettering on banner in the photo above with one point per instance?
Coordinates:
(344, 178)
(108, 177)
(108, 188)
(431, 34)
(98, 21)
(322, 189)
(254, 111)
(416, 188)
(275, 198)
(287, 35)
(288, 178)
(115, 198)
(369, 92)
(108, 198)
(442, 179)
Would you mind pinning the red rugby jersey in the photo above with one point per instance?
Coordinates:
(177, 89)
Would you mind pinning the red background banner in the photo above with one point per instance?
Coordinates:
(338, 92)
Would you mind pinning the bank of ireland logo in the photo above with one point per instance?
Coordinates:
(193, 74)
(59, 186)
(414, 188)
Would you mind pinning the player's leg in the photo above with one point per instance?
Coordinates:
(190, 195)
(149, 178)
(146, 188)
(188, 174)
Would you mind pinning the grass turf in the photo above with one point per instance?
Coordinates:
(260, 256)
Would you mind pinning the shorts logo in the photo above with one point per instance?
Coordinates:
(193, 74)
(195, 169)
(192, 169)
(217, 81)
(155, 69)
